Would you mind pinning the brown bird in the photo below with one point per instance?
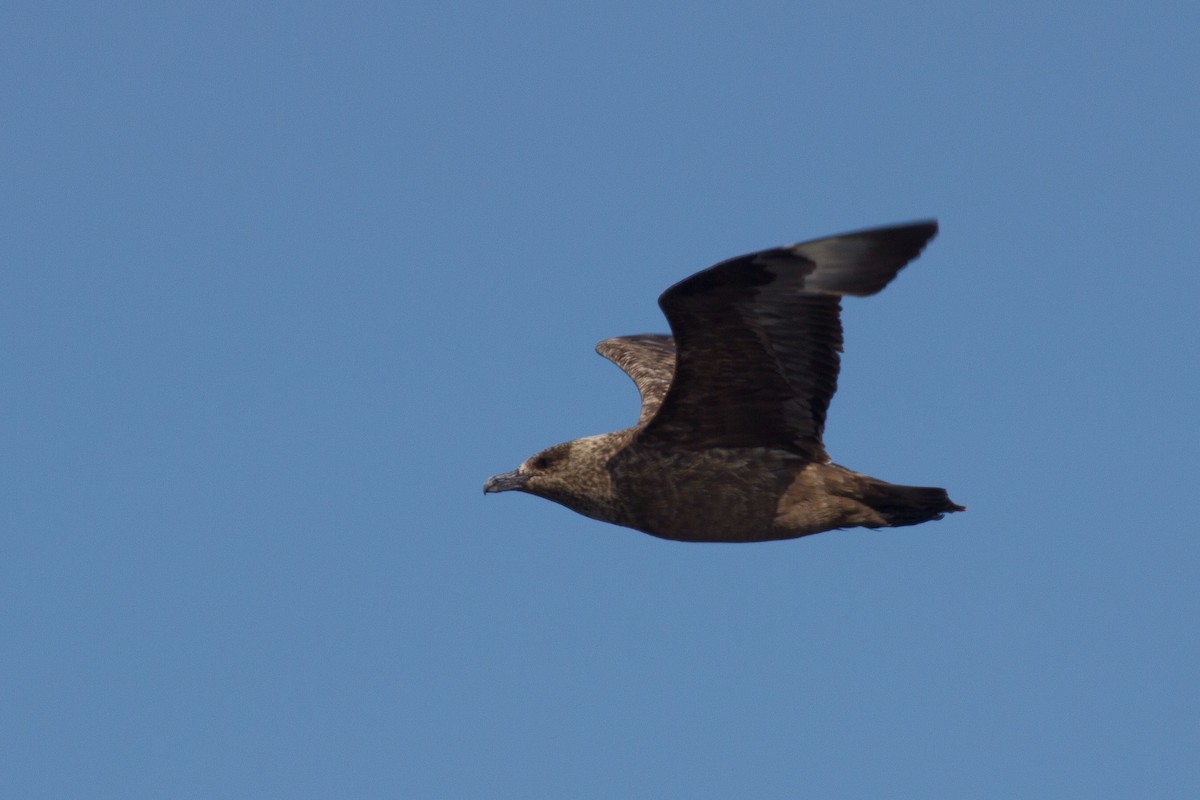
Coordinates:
(728, 444)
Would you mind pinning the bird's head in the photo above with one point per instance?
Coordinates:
(574, 474)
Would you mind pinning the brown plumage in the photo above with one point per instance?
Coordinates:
(728, 444)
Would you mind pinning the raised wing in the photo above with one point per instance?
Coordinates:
(649, 359)
(758, 339)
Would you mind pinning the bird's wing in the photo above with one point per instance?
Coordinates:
(758, 339)
(649, 359)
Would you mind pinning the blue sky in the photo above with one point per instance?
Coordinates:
(283, 284)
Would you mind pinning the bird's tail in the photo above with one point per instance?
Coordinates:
(908, 505)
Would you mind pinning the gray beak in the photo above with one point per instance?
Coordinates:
(504, 483)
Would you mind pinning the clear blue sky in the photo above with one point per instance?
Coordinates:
(281, 285)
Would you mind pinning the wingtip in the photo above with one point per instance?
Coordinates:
(863, 262)
(914, 234)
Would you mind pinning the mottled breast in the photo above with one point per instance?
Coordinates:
(714, 495)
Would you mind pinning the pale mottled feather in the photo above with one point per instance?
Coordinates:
(649, 359)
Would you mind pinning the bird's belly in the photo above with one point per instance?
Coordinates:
(722, 496)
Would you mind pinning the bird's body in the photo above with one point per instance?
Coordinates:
(728, 444)
(743, 495)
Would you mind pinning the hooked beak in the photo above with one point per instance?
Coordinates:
(505, 482)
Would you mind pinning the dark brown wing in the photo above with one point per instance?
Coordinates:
(649, 359)
(758, 338)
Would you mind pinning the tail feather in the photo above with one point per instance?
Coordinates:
(909, 505)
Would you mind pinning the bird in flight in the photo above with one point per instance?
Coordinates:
(728, 445)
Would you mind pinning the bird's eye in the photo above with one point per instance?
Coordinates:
(542, 462)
